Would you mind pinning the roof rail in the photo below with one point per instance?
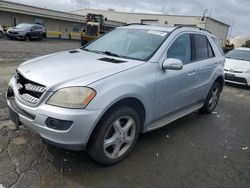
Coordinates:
(202, 29)
(135, 24)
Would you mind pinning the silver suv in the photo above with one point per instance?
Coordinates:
(132, 80)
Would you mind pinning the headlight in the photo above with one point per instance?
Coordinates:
(72, 97)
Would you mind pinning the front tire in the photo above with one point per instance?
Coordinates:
(212, 99)
(115, 136)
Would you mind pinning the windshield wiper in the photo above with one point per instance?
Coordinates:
(94, 51)
(110, 53)
(103, 52)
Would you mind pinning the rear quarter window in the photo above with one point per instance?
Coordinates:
(202, 47)
(216, 41)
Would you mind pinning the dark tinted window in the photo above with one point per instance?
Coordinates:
(210, 50)
(181, 49)
(38, 27)
(203, 49)
(200, 44)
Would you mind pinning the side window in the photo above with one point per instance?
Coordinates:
(218, 45)
(202, 47)
(181, 49)
(210, 50)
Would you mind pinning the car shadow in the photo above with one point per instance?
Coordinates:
(78, 166)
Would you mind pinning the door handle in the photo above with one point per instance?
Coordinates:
(192, 73)
(215, 64)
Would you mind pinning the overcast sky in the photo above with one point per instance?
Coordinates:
(233, 12)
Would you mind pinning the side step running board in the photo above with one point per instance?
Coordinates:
(170, 118)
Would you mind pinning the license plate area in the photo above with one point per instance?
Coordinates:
(228, 75)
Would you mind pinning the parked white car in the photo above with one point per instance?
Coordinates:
(237, 66)
(1, 32)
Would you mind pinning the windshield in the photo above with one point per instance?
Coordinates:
(23, 26)
(130, 43)
(239, 54)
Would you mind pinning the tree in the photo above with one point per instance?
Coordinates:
(247, 44)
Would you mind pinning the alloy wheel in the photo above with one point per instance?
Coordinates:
(119, 137)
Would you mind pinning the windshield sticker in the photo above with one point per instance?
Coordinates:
(160, 33)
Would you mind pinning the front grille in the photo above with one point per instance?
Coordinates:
(28, 90)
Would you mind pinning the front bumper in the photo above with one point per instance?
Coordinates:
(75, 138)
(15, 36)
(238, 78)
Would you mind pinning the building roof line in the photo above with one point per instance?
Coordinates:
(149, 14)
(154, 14)
(218, 21)
(35, 7)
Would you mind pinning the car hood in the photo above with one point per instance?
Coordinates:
(72, 68)
(17, 30)
(237, 65)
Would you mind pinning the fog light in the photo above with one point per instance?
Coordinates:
(10, 93)
(58, 124)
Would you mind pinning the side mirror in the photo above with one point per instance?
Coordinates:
(172, 64)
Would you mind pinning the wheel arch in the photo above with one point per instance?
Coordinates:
(131, 102)
(220, 80)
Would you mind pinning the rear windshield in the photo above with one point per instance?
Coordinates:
(131, 43)
(239, 55)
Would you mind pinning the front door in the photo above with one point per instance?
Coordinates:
(175, 87)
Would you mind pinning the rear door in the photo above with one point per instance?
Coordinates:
(204, 62)
(36, 31)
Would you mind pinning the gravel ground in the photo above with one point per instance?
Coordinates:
(195, 151)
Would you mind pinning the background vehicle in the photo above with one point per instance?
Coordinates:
(1, 32)
(133, 79)
(237, 66)
(5, 27)
(26, 31)
(96, 25)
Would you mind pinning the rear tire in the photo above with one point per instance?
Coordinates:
(115, 136)
(212, 99)
(25, 38)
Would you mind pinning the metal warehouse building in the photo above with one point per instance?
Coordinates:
(56, 22)
(65, 24)
(218, 28)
